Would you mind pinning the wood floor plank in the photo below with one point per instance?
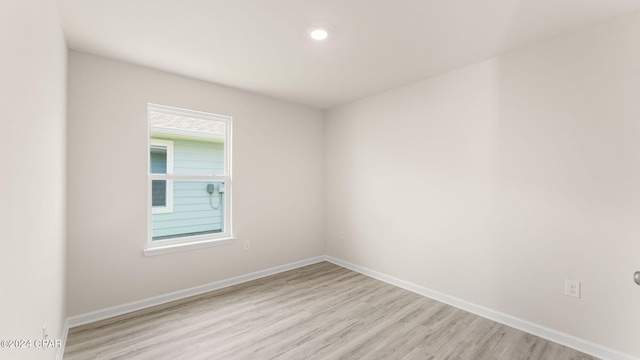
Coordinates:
(321, 311)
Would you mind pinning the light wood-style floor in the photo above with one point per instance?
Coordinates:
(321, 311)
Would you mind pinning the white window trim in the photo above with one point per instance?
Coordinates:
(159, 247)
(192, 245)
(168, 208)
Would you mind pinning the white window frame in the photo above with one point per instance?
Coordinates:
(159, 247)
(168, 144)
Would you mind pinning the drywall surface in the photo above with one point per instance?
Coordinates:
(277, 182)
(495, 183)
(32, 179)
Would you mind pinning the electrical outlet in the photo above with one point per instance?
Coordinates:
(572, 288)
(340, 235)
(247, 245)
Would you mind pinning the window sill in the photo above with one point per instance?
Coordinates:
(166, 249)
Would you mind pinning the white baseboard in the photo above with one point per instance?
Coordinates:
(567, 340)
(181, 294)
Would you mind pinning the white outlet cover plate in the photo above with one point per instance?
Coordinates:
(572, 288)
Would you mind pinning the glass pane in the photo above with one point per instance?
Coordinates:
(198, 143)
(205, 127)
(198, 157)
(158, 193)
(158, 160)
(198, 209)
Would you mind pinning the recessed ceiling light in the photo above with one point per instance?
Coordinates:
(319, 33)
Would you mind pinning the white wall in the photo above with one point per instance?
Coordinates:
(278, 181)
(32, 175)
(496, 182)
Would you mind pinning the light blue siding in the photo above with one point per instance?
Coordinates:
(194, 209)
(198, 157)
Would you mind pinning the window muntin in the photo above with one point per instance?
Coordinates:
(198, 174)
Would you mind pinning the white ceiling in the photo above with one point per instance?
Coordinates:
(375, 45)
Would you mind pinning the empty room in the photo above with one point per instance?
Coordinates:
(294, 179)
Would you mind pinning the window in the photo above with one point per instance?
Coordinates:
(161, 162)
(189, 179)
